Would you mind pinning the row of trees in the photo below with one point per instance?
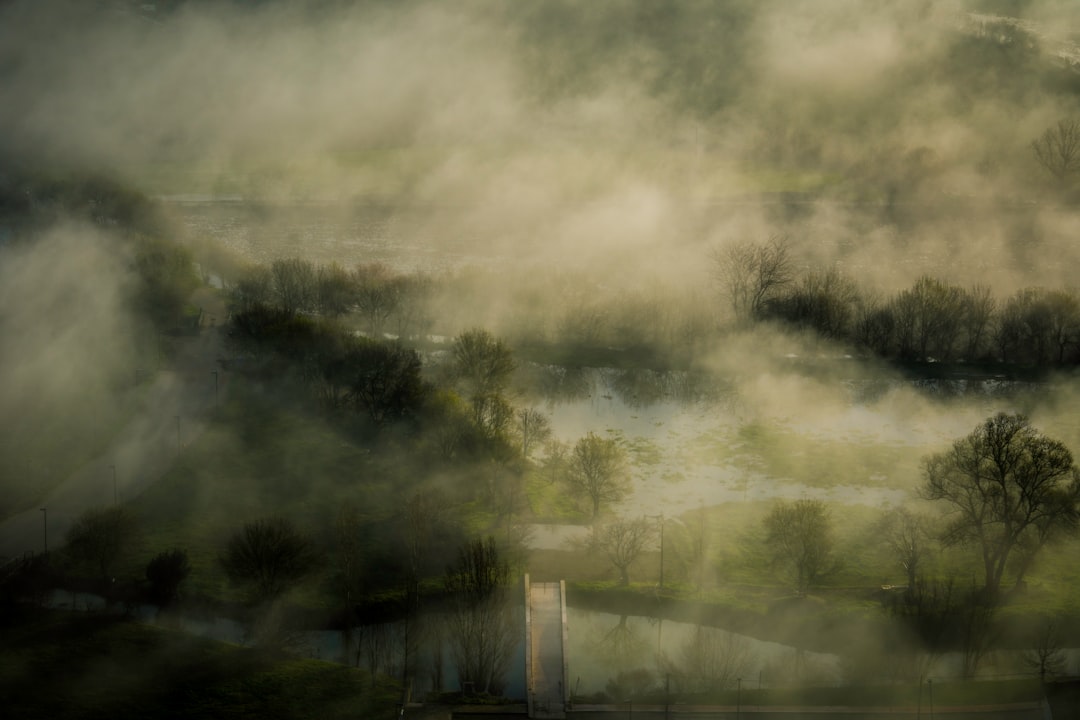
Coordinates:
(534, 306)
(1007, 491)
(266, 559)
(384, 300)
(932, 320)
(463, 407)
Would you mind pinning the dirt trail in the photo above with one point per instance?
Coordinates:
(171, 414)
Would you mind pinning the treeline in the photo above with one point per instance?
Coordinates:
(932, 321)
(288, 329)
(526, 306)
(936, 321)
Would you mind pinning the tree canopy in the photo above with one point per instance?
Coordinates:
(596, 470)
(799, 536)
(1007, 487)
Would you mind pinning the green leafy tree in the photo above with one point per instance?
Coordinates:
(798, 535)
(1006, 487)
(623, 542)
(751, 275)
(482, 366)
(597, 471)
(1057, 150)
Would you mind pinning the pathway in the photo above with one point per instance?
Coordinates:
(545, 629)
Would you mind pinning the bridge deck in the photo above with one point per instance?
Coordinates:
(545, 648)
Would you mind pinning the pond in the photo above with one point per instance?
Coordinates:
(626, 654)
(619, 656)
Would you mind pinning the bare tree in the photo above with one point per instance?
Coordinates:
(824, 301)
(622, 541)
(1063, 315)
(799, 537)
(907, 537)
(1058, 149)
(268, 556)
(1000, 483)
(1046, 657)
(874, 327)
(334, 290)
(482, 629)
(253, 289)
(927, 318)
(752, 274)
(597, 471)
(534, 427)
(375, 295)
(555, 458)
(412, 297)
(979, 308)
(294, 284)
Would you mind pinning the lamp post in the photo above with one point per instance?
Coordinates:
(214, 373)
(115, 495)
(45, 529)
(930, 687)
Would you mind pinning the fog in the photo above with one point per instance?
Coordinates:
(602, 139)
(554, 168)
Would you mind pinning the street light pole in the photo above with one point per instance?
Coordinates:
(45, 529)
(930, 685)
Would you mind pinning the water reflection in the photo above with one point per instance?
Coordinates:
(634, 388)
(619, 657)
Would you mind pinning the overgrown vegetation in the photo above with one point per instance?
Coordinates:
(62, 665)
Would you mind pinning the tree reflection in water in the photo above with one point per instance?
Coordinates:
(709, 659)
(622, 647)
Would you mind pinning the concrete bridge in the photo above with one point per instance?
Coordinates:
(546, 685)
